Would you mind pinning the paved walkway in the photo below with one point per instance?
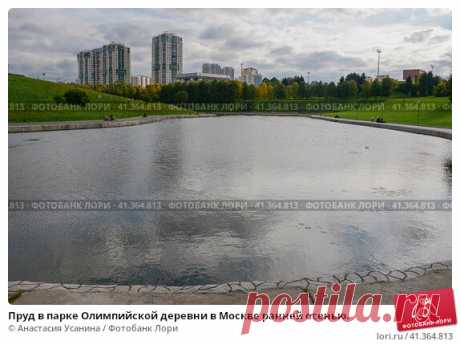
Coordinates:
(445, 133)
(416, 278)
(134, 121)
(27, 127)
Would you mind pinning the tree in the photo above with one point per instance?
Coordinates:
(251, 92)
(449, 88)
(440, 90)
(352, 88)
(279, 91)
(331, 90)
(367, 88)
(376, 88)
(426, 84)
(387, 87)
(409, 88)
(292, 90)
(263, 91)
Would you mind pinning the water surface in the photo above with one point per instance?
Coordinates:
(224, 158)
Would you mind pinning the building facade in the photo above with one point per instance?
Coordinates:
(214, 68)
(106, 65)
(412, 73)
(250, 76)
(166, 57)
(140, 80)
(227, 70)
(201, 76)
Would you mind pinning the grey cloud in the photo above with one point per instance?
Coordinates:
(47, 40)
(439, 39)
(217, 32)
(418, 36)
(282, 50)
(322, 59)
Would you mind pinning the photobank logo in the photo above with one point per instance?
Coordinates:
(425, 309)
(322, 300)
(413, 311)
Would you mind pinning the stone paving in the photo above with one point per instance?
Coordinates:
(305, 283)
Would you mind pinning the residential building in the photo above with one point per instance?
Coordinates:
(106, 65)
(227, 70)
(412, 73)
(250, 76)
(201, 76)
(140, 80)
(214, 68)
(166, 57)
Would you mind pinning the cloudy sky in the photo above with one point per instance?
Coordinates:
(327, 43)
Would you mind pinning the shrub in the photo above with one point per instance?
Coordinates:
(76, 97)
(59, 99)
(181, 97)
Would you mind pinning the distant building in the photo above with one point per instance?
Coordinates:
(250, 76)
(412, 73)
(140, 80)
(227, 70)
(201, 76)
(166, 57)
(214, 68)
(105, 65)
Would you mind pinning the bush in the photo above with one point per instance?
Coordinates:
(76, 97)
(380, 120)
(181, 97)
(59, 99)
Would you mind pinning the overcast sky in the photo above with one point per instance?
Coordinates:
(327, 43)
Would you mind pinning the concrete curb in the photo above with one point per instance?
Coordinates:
(304, 283)
(432, 131)
(73, 125)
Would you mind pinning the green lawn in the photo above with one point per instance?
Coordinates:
(422, 111)
(32, 100)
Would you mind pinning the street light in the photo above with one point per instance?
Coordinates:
(379, 51)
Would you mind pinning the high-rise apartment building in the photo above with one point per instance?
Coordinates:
(229, 71)
(166, 57)
(106, 65)
(250, 76)
(214, 68)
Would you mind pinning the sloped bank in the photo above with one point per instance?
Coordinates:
(410, 279)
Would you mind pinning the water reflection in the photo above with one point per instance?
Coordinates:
(228, 158)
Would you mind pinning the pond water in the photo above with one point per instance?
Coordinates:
(238, 157)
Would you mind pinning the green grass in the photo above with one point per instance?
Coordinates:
(32, 100)
(421, 111)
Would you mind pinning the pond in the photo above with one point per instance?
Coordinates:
(236, 157)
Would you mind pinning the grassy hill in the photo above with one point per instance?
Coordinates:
(32, 100)
(423, 111)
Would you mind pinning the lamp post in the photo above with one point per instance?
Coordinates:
(379, 51)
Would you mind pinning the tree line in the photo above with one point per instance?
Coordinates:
(292, 88)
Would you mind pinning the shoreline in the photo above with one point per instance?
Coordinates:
(32, 127)
(417, 278)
